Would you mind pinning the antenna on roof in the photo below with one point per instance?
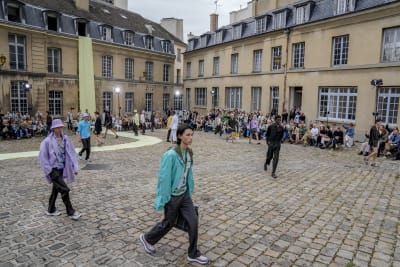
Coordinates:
(216, 5)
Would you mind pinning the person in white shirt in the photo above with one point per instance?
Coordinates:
(174, 126)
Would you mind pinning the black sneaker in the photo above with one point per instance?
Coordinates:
(274, 175)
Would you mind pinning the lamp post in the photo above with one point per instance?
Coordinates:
(117, 91)
(27, 87)
(376, 83)
(213, 99)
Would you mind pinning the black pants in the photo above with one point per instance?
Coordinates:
(85, 147)
(184, 205)
(273, 153)
(168, 134)
(59, 186)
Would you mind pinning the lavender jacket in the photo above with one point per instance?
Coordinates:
(47, 157)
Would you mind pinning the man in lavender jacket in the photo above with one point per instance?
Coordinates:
(58, 161)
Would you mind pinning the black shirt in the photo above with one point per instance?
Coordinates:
(274, 133)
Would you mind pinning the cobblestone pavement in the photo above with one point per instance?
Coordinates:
(325, 208)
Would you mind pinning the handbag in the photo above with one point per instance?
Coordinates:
(180, 222)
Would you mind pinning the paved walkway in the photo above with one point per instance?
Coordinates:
(325, 208)
(141, 140)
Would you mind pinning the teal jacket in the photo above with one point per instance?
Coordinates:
(172, 167)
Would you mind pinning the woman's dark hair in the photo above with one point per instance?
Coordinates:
(181, 130)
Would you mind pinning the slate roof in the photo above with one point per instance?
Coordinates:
(320, 10)
(99, 14)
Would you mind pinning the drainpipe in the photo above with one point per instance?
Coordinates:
(285, 67)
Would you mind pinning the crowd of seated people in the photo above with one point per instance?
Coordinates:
(18, 126)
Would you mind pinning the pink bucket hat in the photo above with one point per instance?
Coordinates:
(56, 124)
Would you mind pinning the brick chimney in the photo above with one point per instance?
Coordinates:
(82, 4)
(213, 22)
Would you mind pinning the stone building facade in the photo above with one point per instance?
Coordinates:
(48, 47)
(336, 60)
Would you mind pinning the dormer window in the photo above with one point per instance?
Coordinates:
(345, 6)
(14, 11)
(52, 20)
(237, 31)
(280, 19)
(303, 11)
(166, 46)
(219, 36)
(191, 44)
(203, 40)
(129, 38)
(261, 24)
(148, 42)
(106, 33)
(81, 26)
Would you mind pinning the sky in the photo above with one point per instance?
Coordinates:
(195, 13)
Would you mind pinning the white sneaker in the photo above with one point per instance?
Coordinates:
(200, 259)
(75, 216)
(54, 213)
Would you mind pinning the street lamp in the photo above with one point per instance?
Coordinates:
(27, 86)
(117, 91)
(213, 99)
(376, 83)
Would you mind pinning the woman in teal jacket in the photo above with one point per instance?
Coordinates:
(174, 191)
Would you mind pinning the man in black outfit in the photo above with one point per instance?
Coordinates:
(274, 137)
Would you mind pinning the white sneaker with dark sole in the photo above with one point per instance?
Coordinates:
(200, 259)
(55, 213)
(147, 247)
(75, 216)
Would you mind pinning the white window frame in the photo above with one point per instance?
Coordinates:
(166, 72)
(233, 97)
(391, 45)
(203, 40)
(19, 97)
(344, 6)
(261, 24)
(280, 20)
(201, 68)
(215, 97)
(53, 16)
(219, 36)
(166, 46)
(106, 33)
(302, 14)
(276, 54)
(274, 99)
(129, 38)
(338, 103)
(56, 103)
(388, 104)
(216, 66)
(237, 31)
(234, 63)
(165, 102)
(257, 60)
(200, 96)
(298, 55)
(108, 101)
(148, 42)
(149, 71)
(178, 102)
(54, 60)
(340, 50)
(17, 47)
(255, 98)
(129, 100)
(129, 69)
(148, 98)
(107, 66)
